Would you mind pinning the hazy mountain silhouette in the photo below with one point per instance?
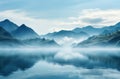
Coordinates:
(112, 28)
(4, 34)
(9, 31)
(40, 42)
(111, 39)
(13, 35)
(64, 33)
(96, 31)
(6, 39)
(24, 32)
(8, 25)
(88, 29)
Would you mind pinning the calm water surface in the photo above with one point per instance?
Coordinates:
(59, 64)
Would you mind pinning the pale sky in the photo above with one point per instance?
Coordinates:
(52, 15)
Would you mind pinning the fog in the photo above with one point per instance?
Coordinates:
(68, 41)
(60, 62)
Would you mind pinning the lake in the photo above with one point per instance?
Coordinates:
(63, 63)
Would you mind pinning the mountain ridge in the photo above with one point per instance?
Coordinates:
(21, 36)
(8, 25)
(24, 32)
(111, 39)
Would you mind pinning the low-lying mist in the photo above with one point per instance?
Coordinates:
(68, 41)
(70, 63)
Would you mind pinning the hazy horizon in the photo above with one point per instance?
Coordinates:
(45, 17)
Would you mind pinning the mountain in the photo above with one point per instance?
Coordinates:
(99, 36)
(4, 34)
(24, 32)
(42, 42)
(106, 32)
(25, 36)
(89, 30)
(112, 28)
(6, 39)
(8, 25)
(112, 39)
(65, 33)
(96, 31)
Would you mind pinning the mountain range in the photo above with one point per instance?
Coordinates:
(65, 33)
(14, 35)
(96, 31)
(83, 32)
(89, 30)
(8, 25)
(24, 32)
(6, 39)
(112, 39)
(4, 34)
(19, 32)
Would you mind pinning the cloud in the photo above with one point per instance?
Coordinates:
(67, 41)
(69, 56)
(20, 17)
(45, 70)
(95, 17)
(66, 63)
(90, 60)
(92, 20)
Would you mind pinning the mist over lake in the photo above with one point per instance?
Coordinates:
(59, 63)
(80, 53)
(59, 39)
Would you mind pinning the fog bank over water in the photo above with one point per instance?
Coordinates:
(61, 62)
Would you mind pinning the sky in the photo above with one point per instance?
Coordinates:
(46, 16)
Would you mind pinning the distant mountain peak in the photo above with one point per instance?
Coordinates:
(88, 26)
(64, 31)
(25, 32)
(6, 20)
(24, 26)
(118, 24)
(8, 25)
(76, 28)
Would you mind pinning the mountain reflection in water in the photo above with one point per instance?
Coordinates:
(61, 64)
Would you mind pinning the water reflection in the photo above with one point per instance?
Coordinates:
(61, 64)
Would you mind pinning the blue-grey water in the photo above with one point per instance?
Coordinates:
(59, 64)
